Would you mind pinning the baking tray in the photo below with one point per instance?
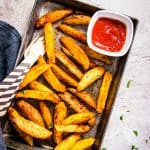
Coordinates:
(12, 139)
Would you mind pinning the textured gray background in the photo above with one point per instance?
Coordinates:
(119, 134)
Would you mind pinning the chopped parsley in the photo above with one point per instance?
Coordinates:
(103, 148)
(121, 117)
(129, 83)
(134, 148)
(51, 126)
(135, 132)
(22, 91)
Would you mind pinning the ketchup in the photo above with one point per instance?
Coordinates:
(109, 34)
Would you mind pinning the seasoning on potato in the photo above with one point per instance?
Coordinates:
(49, 42)
(77, 20)
(76, 51)
(53, 16)
(51, 78)
(90, 77)
(38, 95)
(67, 62)
(46, 114)
(28, 127)
(73, 32)
(33, 74)
(104, 90)
(68, 143)
(30, 112)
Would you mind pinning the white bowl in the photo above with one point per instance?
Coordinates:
(116, 16)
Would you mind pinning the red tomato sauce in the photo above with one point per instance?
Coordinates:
(109, 34)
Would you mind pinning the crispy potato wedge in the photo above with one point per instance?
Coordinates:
(53, 16)
(104, 90)
(73, 102)
(69, 64)
(73, 32)
(27, 138)
(76, 51)
(84, 96)
(72, 128)
(92, 54)
(38, 95)
(33, 74)
(90, 77)
(67, 143)
(77, 20)
(78, 118)
(30, 112)
(51, 78)
(60, 114)
(62, 75)
(47, 115)
(49, 42)
(84, 144)
(35, 85)
(27, 126)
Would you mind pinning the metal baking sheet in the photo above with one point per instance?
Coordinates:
(12, 139)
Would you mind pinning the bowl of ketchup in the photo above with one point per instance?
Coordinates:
(110, 33)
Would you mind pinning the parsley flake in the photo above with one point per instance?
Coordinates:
(129, 83)
(121, 117)
(103, 148)
(135, 132)
(51, 126)
(134, 148)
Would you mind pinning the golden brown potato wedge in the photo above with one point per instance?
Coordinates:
(73, 32)
(27, 126)
(51, 78)
(78, 118)
(77, 20)
(30, 112)
(68, 143)
(38, 95)
(53, 16)
(84, 96)
(104, 90)
(35, 85)
(72, 128)
(90, 77)
(65, 77)
(27, 138)
(47, 115)
(92, 54)
(60, 114)
(69, 64)
(33, 74)
(83, 144)
(76, 51)
(73, 102)
(49, 42)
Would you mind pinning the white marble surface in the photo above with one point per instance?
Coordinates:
(119, 134)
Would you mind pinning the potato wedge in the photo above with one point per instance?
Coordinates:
(27, 138)
(33, 74)
(78, 118)
(59, 116)
(104, 90)
(72, 128)
(73, 32)
(68, 143)
(30, 112)
(73, 102)
(90, 77)
(92, 54)
(78, 53)
(83, 144)
(53, 16)
(47, 115)
(69, 64)
(27, 126)
(84, 96)
(35, 85)
(62, 75)
(49, 42)
(38, 95)
(51, 78)
(77, 20)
